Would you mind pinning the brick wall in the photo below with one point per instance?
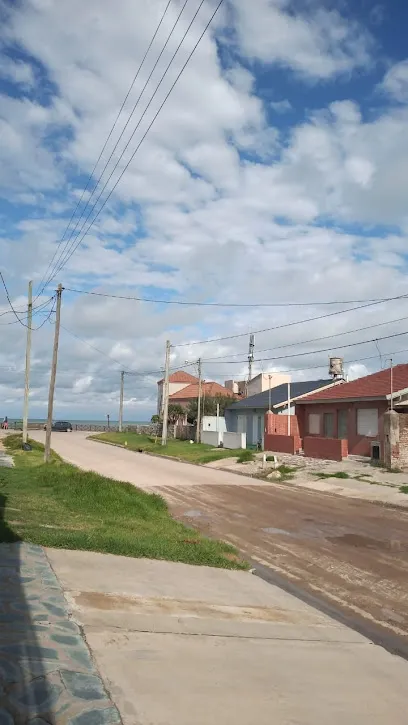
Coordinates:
(357, 444)
(332, 449)
(281, 443)
(278, 424)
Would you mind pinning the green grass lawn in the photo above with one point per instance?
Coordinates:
(186, 451)
(58, 505)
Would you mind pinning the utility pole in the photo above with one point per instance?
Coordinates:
(391, 385)
(47, 450)
(269, 394)
(27, 363)
(198, 431)
(166, 394)
(122, 385)
(251, 356)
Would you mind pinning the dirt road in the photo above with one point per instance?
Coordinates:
(350, 554)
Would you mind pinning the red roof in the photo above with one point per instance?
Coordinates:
(377, 385)
(208, 389)
(181, 377)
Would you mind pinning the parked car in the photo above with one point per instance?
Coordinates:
(61, 425)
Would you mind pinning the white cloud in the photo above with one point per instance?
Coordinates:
(281, 106)
(395, 82)
(318, 44)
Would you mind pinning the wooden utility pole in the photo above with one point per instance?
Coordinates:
(47, 450)
(200, 387)
(27, 362)
(122, 385)
(166, 394)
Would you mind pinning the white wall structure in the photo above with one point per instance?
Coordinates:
(212, 438)
(210, 423)
(234, 440)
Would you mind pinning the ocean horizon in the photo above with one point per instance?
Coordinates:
(83, 421)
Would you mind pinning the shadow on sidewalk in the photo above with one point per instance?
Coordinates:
(47, 676)
(25, 694)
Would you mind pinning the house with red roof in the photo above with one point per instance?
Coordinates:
(348, 418)
(183, 388)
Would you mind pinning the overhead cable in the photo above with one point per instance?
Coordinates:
(223, 304)
(77, 243)
(288, 324)
(44, 278)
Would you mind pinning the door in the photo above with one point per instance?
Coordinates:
(259, 438)
(342, 424)
(328, 425)
(250, 430)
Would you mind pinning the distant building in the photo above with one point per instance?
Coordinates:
(258, 384)
(177, 381)
(183, 388)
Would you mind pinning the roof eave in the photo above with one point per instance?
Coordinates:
(344, 400)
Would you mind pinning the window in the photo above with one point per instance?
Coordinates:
(342, 424)
(367, 422)
(314, 424)
(328, 425)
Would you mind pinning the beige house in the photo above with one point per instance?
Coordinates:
(177, 381)
(258, 384)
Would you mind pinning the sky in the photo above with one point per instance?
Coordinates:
(274, 172)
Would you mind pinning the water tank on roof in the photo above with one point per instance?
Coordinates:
(336, 369)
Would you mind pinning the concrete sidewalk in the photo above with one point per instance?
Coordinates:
(177, 645)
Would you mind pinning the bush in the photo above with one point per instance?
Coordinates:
(245, 456)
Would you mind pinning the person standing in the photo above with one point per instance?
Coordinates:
(5, 423)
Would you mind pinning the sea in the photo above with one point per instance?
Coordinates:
(85, 421)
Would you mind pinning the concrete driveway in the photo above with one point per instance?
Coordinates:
(177, 644)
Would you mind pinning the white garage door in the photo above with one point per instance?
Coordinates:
(367, 422)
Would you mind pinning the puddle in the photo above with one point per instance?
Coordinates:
(192, 514)
(361, 542)
(272, 530)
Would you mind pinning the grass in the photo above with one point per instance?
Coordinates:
(403, 489)
(336, 474)
(184, 450)
(246, 456)
(58, 505)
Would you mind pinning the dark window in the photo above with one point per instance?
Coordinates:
(342, 424)
(328, 425)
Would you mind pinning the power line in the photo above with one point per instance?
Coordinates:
(37, 312)
(315, 339)
(288, 324)
(103, 149)
(314, 352)
(77, 244)
(224, 304)
(24, 312)
(70, 244)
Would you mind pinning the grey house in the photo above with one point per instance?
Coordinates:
(247, 415)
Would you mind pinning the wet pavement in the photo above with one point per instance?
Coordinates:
(47, 676)
(350, 554)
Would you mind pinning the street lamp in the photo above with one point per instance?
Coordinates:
(108, 417)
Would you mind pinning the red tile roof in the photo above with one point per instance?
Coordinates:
(181, 377)
(377, 385)
(208, 389)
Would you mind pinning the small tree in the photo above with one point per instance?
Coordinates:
(155, 419)
(208, 406)
(175, 412)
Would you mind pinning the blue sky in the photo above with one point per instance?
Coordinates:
(276, 171)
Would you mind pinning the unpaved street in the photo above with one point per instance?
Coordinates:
(349, 553)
